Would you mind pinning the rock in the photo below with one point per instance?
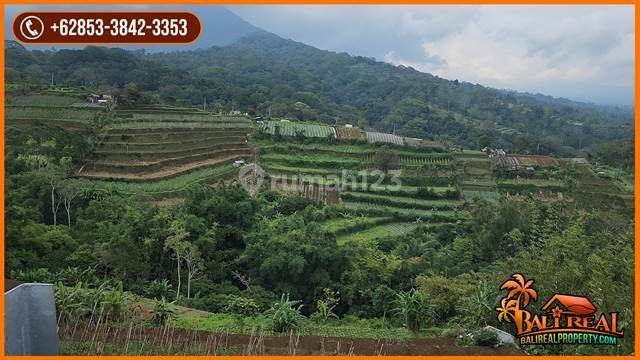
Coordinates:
(505, 337)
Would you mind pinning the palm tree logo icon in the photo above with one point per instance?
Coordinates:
(513, 306)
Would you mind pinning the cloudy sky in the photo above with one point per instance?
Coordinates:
(579, 52)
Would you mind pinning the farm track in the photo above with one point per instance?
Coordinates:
(164, 173)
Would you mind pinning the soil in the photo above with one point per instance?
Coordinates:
(10, 284)
(214, 342)
(349, 133)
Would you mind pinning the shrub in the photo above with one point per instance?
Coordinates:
(325, 306)
(412, 308)
(158, 289)
(485, 337)
(241, 306)
(162, 311)
(285, 314)
(41, 275)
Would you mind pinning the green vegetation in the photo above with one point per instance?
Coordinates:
(413, 243)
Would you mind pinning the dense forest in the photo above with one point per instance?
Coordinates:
(267, 75)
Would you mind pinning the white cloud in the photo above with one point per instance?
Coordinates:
(559, 50)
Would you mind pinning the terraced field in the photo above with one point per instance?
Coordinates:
(476, 179)
(345, 133)
(379, 232)
(39, 110)
(296, 129)
(378, 208)
(376, 137)
(153, 145)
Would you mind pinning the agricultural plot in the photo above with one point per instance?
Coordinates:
(178, 125)
(480, 195)
(402, 201)
(167, 187)
(379, 232)
(61, 113)
(174, 116)
(296, 129)
(384, 210)
(345, 133)
(377, 137)
(41, 100)
(352, 224)
(161, 145)
(536, 160)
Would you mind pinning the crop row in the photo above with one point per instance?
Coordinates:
(169, 153)
(41, 100)
(337, 164)
(379, 232)
(178, 125)
(398, 212)
(295, 129)
(177, 117)
(403, 202)
(150, 166)
(377, 137)
(62, 113)
(166, 186)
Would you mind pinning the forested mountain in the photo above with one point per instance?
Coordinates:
(265, 74)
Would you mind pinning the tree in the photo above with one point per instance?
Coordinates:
(176, 243)
(70, 189)
(53, 174)
(192, 259)
(385, 159)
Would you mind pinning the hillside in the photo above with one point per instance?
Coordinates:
(264, 74)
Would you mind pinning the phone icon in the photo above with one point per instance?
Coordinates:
(31, 27)
(28, 25)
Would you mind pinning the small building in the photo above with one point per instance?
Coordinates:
(348, 125)
(239, 163)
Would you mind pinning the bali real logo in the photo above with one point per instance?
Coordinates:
(565, 319)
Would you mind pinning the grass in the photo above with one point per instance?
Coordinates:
(341, 328)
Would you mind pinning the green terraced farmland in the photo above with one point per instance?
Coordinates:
(480, 195)
(167, 187)
(62, 113)
(378, 232)
(403, 202)
(352, 224)
(382, 210)
(293, 129)
(48, 101)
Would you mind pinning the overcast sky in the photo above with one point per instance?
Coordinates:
(579, 52)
